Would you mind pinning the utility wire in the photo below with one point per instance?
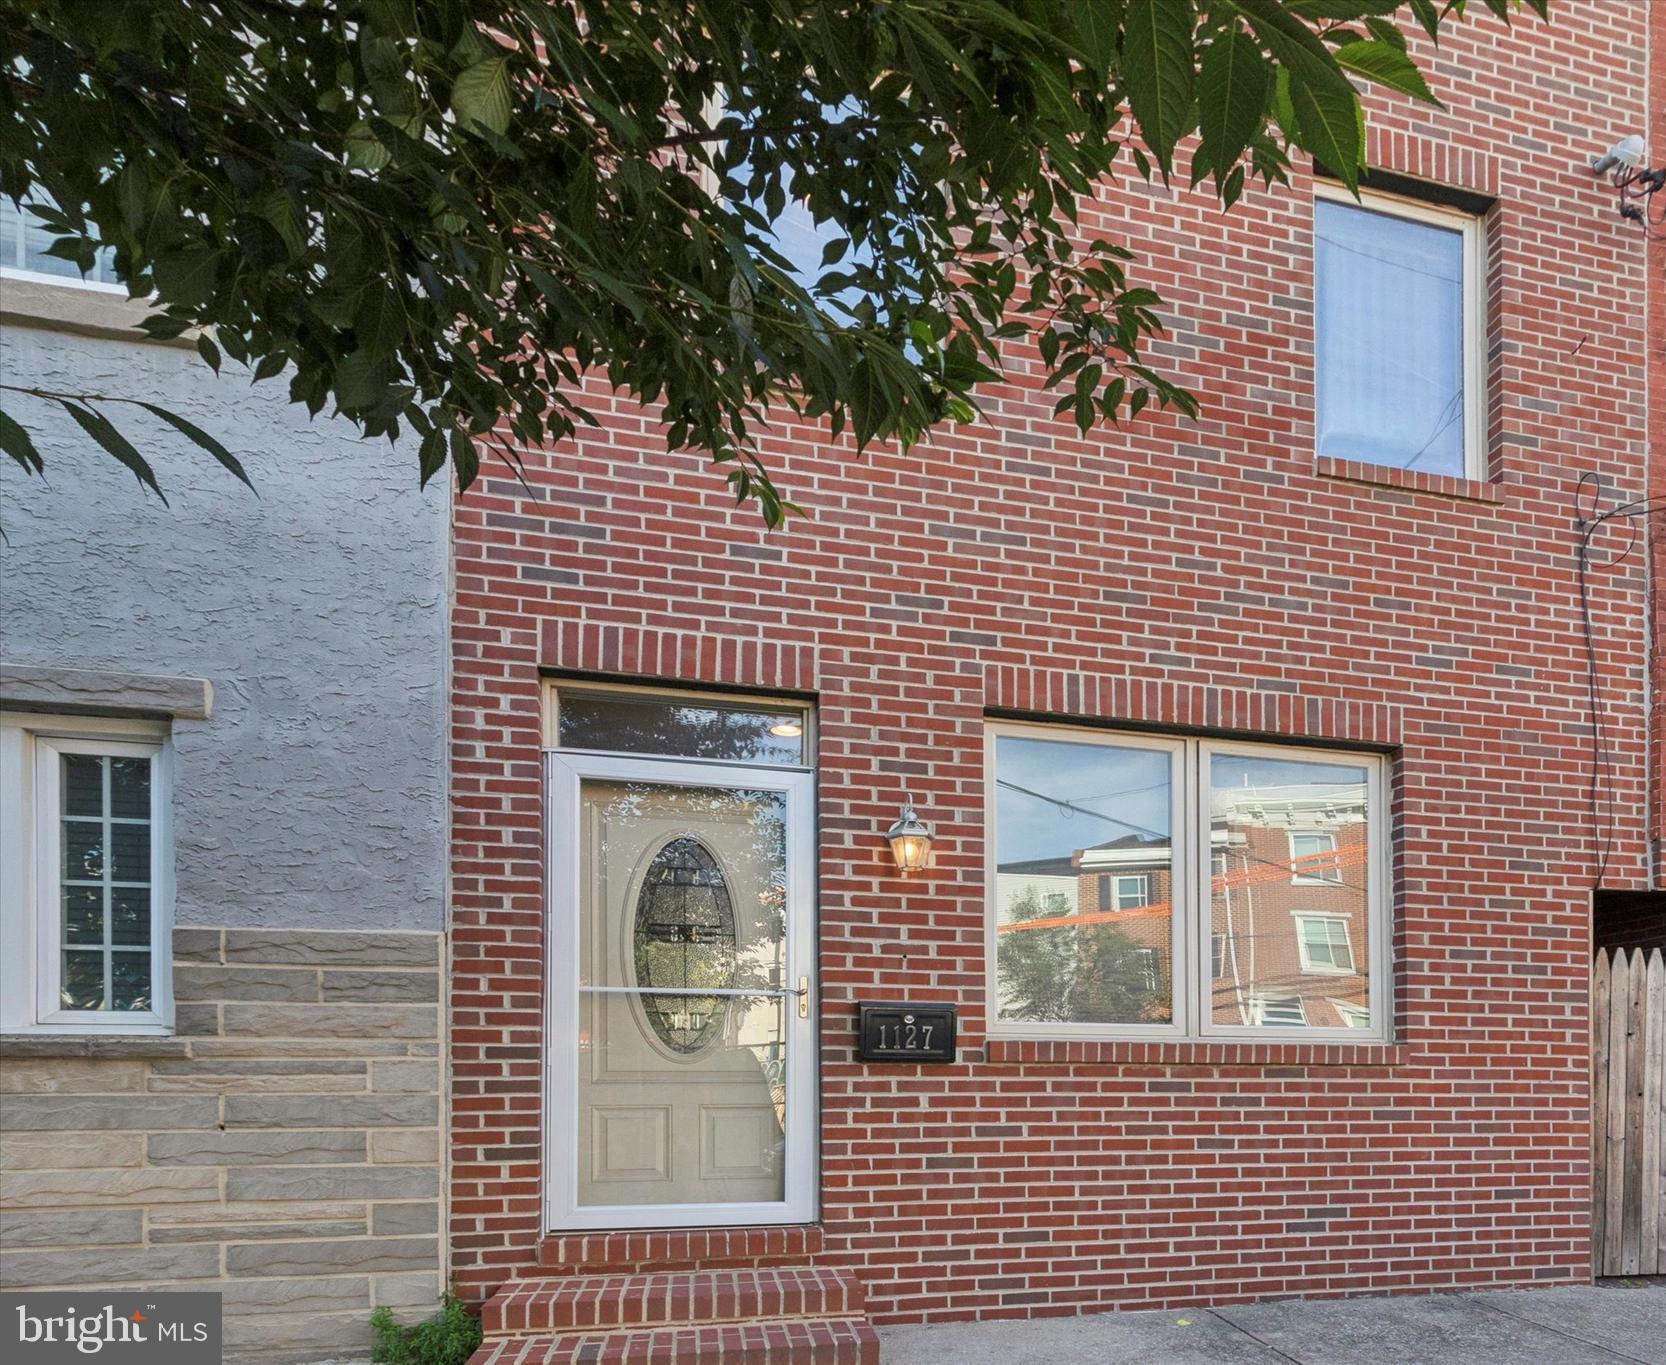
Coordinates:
(1071, 808)
(1588, 495)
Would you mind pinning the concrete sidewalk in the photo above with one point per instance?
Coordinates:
(1591, 1325)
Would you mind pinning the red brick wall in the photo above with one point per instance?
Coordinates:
(1657, 447)
(1201, 575)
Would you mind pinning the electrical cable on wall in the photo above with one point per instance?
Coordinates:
(1590, 519)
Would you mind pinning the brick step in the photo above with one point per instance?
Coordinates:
(617, 1252)
(796, 1341)
(678, 1298)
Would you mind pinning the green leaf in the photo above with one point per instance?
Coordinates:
(364, 149)
(14, 440)
(465, 458)
(186, 276)
(1283, 111)
(1158, 70)
(195, 434)
(480, 95)
(1340, 9)
(1327, 121)
(1386, 65)
(1097, 23)
(1287, 36)
(361, 381)
(270, 366)
(430, 456)
(1385, 31)
(98, 426)
(380, 323)
(1231, 97)
(1425, 13)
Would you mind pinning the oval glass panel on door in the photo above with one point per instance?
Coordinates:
(681, 1088)
(685, 939)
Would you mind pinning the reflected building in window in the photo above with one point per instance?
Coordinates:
(1289, 941)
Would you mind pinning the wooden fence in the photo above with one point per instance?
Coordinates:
(1628, 1094)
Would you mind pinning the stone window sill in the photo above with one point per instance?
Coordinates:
(33, 302)
(46, 687)
(1412, 480)
(129, 1045)
(1224, 1053)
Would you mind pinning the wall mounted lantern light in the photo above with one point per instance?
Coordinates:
(910, 840)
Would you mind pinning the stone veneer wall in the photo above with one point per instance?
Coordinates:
(283, 1148)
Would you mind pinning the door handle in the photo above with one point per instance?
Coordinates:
(803, 997)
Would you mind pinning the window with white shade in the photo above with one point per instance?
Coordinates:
(1399, 333)
(85, 886)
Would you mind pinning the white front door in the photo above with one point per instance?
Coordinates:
(681, 1044)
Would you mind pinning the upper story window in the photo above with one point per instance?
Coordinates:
(85, 876)
(24, 240)
(1312, 856)
(679, 725)
(1324, 944)
(1205, 929)
(1399, 333)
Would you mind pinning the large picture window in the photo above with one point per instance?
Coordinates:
(1143, 886)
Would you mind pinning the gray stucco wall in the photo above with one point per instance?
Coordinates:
(314, 796)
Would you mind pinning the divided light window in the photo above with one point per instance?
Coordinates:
(1154, 887)
(1399, 332)
(84, 890)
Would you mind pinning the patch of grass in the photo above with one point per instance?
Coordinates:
(448, 1338)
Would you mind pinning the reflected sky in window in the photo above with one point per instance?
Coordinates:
(1054, 797)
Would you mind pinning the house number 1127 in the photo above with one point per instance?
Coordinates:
(906, 1036)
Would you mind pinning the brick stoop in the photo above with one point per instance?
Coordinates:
(787, 1315)
(679, 1249)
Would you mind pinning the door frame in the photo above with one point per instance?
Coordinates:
(564, 772)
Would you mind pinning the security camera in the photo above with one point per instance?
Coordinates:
(1627, 152)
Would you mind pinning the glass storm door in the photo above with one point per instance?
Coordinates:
(681, 1051)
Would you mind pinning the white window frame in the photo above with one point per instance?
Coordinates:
(1181, 832)
(679, 696)
(1142, 891)
(1348, 1011)
(30, 854)
(1190, 922)
(1258, 1002)
(1324, 877)
(1309, 966)
(1473, 229)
